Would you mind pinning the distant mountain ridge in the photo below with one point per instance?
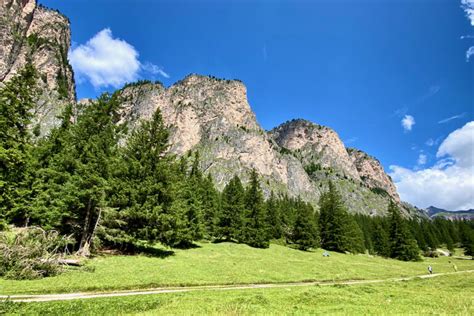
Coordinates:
(433, 212)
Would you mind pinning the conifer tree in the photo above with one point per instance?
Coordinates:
(17, 99)
(230, 218)
(273, 217)
(255, 232)
(402, 245)
(339, 231)
(380, 241)
(305, 231)
(153, 197)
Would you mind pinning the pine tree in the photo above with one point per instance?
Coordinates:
(305, 230)
(402, 245)
(230, 218)
(17, 99)
(380, 241)
(255, 232)
(273, 217)
(339, 231)
(152, 195)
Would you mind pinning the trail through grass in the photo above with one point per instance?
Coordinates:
(224, 263)
(452, 294)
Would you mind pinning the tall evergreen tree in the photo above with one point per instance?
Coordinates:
(273, 217)
(305, 230)
(339, 231)
(17, 99)
(402, 245)
(230, 218)
(255, 229)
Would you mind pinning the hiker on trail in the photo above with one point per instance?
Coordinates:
(430, 269)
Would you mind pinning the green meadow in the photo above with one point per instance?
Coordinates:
(453, 295)
(224, 263)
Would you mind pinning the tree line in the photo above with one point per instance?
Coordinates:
(80, 181)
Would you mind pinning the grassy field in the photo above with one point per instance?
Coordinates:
(224, 263)
(453, 294)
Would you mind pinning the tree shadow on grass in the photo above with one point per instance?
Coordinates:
(146, 250)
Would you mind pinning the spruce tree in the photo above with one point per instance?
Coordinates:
(17, 99)
(255, 232)
(402, 245)
(230, 218)
(153, 198)
(273, 217)
(339, 231)
(305, 231)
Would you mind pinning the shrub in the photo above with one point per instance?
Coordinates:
(31, 253)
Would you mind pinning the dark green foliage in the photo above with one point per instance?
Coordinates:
(305, 230)
(312, 168)
(380, 191)
(63, 87)
(255, 232)
(402, 245)
(339, 231)
(274, 217)
(17, 98)
(230, 218)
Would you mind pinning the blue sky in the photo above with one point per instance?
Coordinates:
(391, 77)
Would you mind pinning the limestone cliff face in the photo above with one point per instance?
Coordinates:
(213, 116)
(32, 33)
(372, 173)
(315, 144)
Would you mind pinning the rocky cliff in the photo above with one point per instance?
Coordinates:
(213, 116)
(32, 33)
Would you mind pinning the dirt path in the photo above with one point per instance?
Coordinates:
(76, 296)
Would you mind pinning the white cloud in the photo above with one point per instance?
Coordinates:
(468, 7)
(407, 122)
(460, 146)
(107, 61)
(446, 120)
(154, 69)
(469, 53)
(422, 158)
(449, 183)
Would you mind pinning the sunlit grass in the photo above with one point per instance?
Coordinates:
(452, 294)
(224, 263)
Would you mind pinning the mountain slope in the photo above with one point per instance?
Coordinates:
(32, 33)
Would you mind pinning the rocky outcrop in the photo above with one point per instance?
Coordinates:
(317, 145)
(372, 173)
(213, 116)
(32, 33)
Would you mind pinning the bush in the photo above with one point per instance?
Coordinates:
(31, 253)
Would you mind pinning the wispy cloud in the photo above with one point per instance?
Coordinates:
(469, 53)
(432, 142)
(154, 69)
(468, 7)
(422, 159)
(407, 122)
(454, 117)
(351, 140)
(107, 61)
